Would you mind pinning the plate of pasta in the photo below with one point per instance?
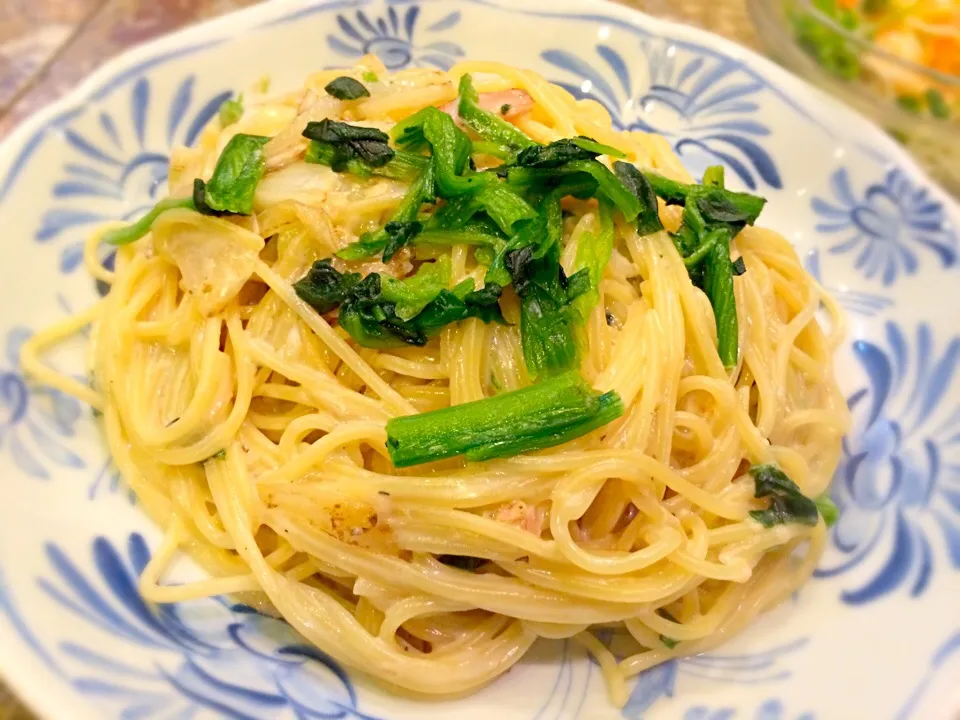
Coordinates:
(393, 360)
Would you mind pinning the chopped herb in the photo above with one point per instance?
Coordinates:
(505, 108)
(346, 88)
(370, 76)
(135, 231)
(235, 178)
(648, 221)
(222, 455)
(787, 503)
(462, 562)
(324, 287)
(670, 643)
(827, 509)
(230, 111)
(542, 415)
(739, 266)
(936, 104)
(366, 144)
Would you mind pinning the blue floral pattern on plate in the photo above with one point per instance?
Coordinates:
(752, 668)
(771, 709)
(392, 38)
(855, 301)
(116, 171)
(35, 422)
(225, 658)
(886, 226)
(897, 485)
(704, 105)
(899, 479)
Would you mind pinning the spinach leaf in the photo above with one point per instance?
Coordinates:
(351, 141)
(324, 287)
(200, 200)
(718, 285)
(369, 244)
(399, 233)
(546, 317)
(234, 180)
(593, 254)
(787, 503)
(489, 126)
(383, 312)
(346, 88)
(557, 153)
(230, 111)
(405, 165)
(411, 295)
(648, 221)
(451, 148)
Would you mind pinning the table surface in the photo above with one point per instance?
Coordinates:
(48, 46)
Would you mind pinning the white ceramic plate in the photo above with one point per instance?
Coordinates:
(875, 635)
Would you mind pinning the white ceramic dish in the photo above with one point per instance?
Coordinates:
(875, 635)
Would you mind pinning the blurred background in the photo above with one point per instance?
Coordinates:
(897, 61)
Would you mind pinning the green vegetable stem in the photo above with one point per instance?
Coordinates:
(543, 415)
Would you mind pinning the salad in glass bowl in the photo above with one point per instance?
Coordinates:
(897, 61)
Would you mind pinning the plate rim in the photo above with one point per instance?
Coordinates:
(28, 681)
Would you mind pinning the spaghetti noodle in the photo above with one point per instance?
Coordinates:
(254, 428)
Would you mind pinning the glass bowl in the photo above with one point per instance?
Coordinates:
(826, 51)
